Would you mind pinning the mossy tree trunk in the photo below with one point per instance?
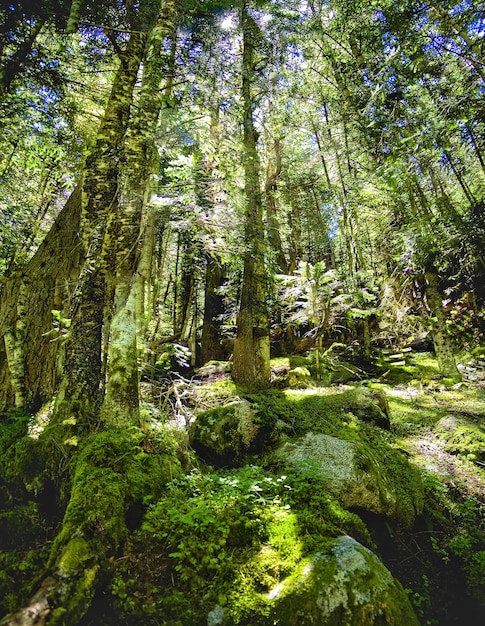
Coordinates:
(252, 345)
(273, 173)
(16, 61)
(296, 248)
(31, 349)
(101, 489)
(210, 343)
(122, 243)
(80, 393)
(441, 339)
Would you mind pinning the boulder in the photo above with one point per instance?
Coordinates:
(358, 476)
(345, 585)
(299, 378)
(224, 435)
(462, 436)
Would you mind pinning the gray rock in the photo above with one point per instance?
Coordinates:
(357, 476)
(347, 585)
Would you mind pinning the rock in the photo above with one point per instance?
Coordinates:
(214, 368)
(299, 378)
(373, 407)
(224, 435)
(346, 585)
(463, 437)
(357, 476)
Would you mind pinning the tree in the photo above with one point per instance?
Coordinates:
(252, 346)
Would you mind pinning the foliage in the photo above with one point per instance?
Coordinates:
(231, 535)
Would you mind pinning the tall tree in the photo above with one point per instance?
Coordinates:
(252, 345)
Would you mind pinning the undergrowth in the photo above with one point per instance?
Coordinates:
(225, 539)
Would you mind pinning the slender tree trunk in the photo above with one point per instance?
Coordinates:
(296, 249)
(210, 344)
(273, 172)
(142, 280)
(16, 62)
(74, 16)
(441, 340)
(252, 345)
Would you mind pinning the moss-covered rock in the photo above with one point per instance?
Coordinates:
(358, 476)
(224, 435)
(345, 584)
(462, 436)
(299, 378)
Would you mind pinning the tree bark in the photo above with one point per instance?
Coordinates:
(48, 281)
(252, 345)
(441, 339)
(210, 343)
(80, 393)
(121, 401)
(273, 172)
(17, 61)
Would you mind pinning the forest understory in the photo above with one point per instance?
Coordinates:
(217, 510)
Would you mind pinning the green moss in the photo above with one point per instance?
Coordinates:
(19, 570)
(13, 426)
(458, 536)
(217, 391)
(342, 584)
(74, 555)
(400, 482)
(281, 362)
(322, 410)
(226, 539)
(112, 472)
(23, 465)
(78, 601)
(466, 439)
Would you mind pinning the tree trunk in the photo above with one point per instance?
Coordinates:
(210, 343)
(16, 62)
(252, 345)
(441, 340)
(79, 396)
(273, 172)
(111, 471)
(121, 402)
(142, 280)
(296, 249)
(48, 281)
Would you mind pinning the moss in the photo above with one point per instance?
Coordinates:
(324, 410)
(225, 539)
(364, 473)
(111, 473)
(19, 570)
(226, 434)
(13, 426)
(23, 466)
(25, 539)
(342, 584)
(75, 605)
(466, 439)
(217, 391)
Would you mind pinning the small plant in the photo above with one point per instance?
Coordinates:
(421, 601)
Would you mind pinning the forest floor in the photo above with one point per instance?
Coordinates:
(443, 429)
